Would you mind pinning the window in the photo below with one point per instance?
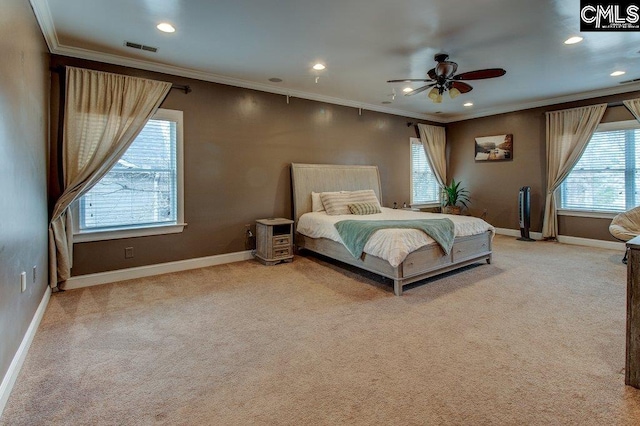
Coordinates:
(142, 193)
(606, 176)
(424, 186)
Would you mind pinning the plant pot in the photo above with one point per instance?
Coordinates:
(451, 209)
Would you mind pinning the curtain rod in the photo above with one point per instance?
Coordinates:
(186, 88)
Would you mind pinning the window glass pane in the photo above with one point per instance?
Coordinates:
(424, 188)
(141, 188)
(605, 177)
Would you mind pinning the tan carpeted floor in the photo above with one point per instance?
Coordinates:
(535, 338)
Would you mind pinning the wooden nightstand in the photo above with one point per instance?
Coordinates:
(274, 240)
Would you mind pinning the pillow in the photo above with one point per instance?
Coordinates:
(336, 203)
(364, 208)
(316, 202)
(364, 196)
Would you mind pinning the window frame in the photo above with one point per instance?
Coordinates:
(599, 214)
(413, 204)
(114, 233)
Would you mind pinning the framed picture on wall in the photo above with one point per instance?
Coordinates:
(494, 148)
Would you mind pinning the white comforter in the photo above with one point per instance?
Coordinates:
(392, 245)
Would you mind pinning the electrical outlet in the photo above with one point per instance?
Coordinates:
(34, 274)
(128, 253)
(23, 282)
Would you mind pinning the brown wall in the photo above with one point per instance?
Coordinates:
(238, 145)
(494, 186)
(24, 96)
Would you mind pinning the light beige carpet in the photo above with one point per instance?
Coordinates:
(536, 338)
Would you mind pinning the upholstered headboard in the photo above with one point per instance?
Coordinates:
(306, 178)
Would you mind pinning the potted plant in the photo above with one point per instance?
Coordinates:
(453, 195)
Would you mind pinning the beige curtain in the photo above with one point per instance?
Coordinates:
(103, 114)
(434, 141)
(568, 132)
(634, 106)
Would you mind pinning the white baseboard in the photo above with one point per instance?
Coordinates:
(516, 233)
(578, 241)
(151, 270)
(18, 359)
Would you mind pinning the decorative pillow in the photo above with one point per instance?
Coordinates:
(316, 202)
(364, 196)
(364, 208)
(336, 203)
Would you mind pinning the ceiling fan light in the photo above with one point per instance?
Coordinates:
(453, 92)
(438, 99)
(433, 94)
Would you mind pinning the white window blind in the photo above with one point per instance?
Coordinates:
(143, 189)
(424, 186)
(606, 177)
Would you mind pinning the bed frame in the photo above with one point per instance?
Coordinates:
(420, 264)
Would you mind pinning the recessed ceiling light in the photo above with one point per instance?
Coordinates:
(573, 40)
(165, 27)
(407, 90)
(617, 73)
(275, 80)
(319, 67)
(468, 104)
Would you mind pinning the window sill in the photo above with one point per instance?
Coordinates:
(587, 213)
(82, 237)
(425, 205)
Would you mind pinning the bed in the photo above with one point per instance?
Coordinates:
(425, 258)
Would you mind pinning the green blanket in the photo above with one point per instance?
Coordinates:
(356, 233)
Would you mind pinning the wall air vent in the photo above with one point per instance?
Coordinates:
(635, 80)
(140, 46)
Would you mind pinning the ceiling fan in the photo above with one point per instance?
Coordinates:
(443, 78)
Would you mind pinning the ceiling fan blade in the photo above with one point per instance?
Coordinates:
(409, 80)
(462, 87)
(480, 74)
(419, 89)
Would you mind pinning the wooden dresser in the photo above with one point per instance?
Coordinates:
(632, 367)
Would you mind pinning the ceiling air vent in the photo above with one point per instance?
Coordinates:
(635, 80)
(141, 46)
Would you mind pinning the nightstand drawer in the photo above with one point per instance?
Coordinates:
(281, 240)
(279, 252)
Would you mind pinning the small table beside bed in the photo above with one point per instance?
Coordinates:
(405, 255)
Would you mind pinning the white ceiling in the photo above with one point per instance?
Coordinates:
(363, 43)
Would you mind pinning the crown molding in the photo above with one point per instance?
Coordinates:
(546, 102)
(230, 81)
(45, 20)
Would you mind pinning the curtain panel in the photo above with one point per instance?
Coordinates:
(633, 105)
(103, 114)
(568, 132)
(434, 141)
